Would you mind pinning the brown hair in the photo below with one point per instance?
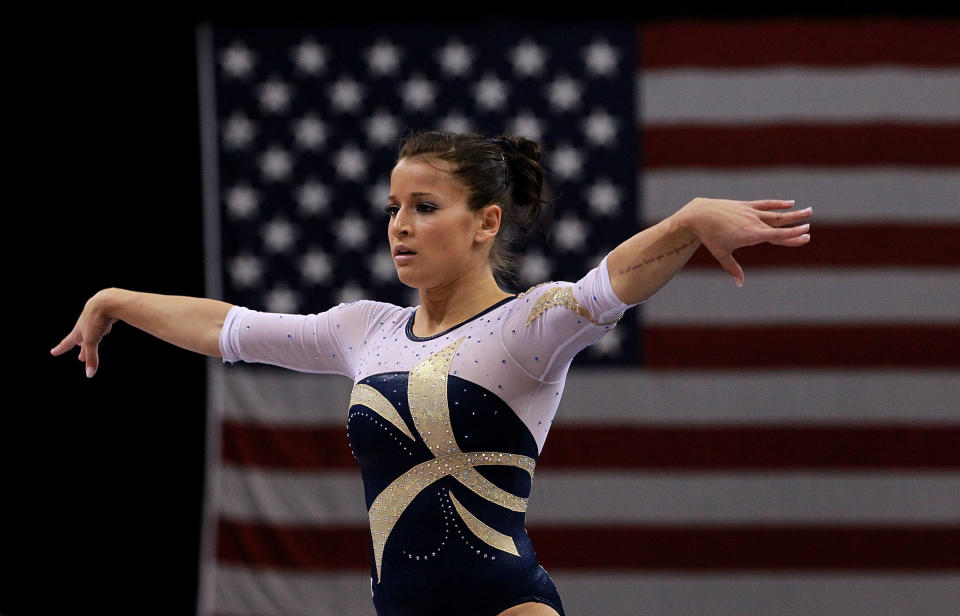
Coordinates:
(505, 170)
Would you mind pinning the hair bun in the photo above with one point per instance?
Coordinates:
(530, 149)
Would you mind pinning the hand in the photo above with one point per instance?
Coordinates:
(724, 225)
(91, 327)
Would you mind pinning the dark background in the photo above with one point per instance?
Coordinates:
(103, 478)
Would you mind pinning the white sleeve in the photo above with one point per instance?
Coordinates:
(328, 342)
(556, 320)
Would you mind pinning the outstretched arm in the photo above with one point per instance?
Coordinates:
(192, 323)
(641, 265)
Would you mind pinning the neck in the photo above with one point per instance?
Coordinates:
(450, 304)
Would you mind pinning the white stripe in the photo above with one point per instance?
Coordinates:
(620, 497)
(851, 195)
(794, 295)
(796, 94)
(759, 594)
(627, 395)
(251, 592)
(248, 592)
(889, 397)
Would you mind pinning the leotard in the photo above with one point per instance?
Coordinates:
(446, 430)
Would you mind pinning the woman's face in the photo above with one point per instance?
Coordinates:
(434, 236)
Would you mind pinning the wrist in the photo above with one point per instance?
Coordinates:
(110, 302)
(684, 221)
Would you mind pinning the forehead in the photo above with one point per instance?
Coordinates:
(418, 175)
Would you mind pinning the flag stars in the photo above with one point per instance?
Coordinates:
(567, 162)
(351, 231)
(281, 299)
(381, 266)
(383, 58)
(603, 197)
(564, 93)
(600, 128)
(237, 60)
(316, 266)
(377, 195)
(491, 93)
(310, 132)
(418, 93)
(534, 268)
(346, 95)
(238, 131)
(276, 164)
(601, 58)
(351, 292)
(242, 201)
(455, 59)
(570, 234)
(382, 129)
(312, 197)
(527, 125)
(245, 270)
(351, 163)
(310, 58)
(528, 59)
(456, 122)
(279, 235)
(274, 95)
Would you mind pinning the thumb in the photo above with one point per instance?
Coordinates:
(730, 265)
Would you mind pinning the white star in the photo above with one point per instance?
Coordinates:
(245, 271)
(310, 132)
(316, 266)
(526, 125)
(237, 60)
(528, 59)
(278, 235)
(490, 92)
(310, 57)
(351, 231)
(350, 292)
(276, 164)
(455, 58)
(383, 58)
(238, 131)
(382, 129)
(346, 94)
(418, 93)
(313, 198)
(274, 95)
(603, 196)
(601, 58)
(534, 268)
(377, 196)
(600, 128)
(351, 163)
(381, 266)
(242, 201)
(608, 345)
(456, 122)
(570, 234)
(567, 162)
(564, 93)
(281, 299)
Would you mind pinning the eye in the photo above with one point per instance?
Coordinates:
(391, 209)
(426, 207)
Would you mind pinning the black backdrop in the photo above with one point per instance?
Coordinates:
(102, 479)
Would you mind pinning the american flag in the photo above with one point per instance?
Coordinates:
(789, 447)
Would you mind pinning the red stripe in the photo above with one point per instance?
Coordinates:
(795, 41)
(872, 245)
(644, 447)
(649, 548)
(930, 145)
(802, 346)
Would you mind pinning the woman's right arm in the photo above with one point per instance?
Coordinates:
(192, 323)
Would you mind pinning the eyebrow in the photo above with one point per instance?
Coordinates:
(415, 195)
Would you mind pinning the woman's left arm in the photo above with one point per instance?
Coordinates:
(643, 264)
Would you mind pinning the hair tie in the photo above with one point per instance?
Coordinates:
(504, 144)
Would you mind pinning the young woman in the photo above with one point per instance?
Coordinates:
(453, 399)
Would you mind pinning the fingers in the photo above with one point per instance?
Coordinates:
(787, 234)
(778, 219)
(730, 265)
(91, 358)
(66, 344)
(771, 204)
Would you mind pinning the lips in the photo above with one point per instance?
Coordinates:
(401, 250)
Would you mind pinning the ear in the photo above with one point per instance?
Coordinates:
(489, 223)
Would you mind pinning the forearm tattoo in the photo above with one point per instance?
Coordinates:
(676, 250)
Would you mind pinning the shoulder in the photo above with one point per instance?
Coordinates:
(558, 294)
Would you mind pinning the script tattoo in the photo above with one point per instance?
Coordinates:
(676, 250)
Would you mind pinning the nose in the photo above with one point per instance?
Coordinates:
(401, 224)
